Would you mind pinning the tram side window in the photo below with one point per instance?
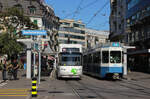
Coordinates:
(105, 58)
(90, 58)
(96, 58)
(59, 60)
(85, 59)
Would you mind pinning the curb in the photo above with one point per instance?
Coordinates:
(126, 78)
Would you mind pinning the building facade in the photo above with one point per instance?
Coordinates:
(117, 20)
(95, 37)
(138, 33)
(40, 14)
(71, 31)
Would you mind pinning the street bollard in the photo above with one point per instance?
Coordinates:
(34, 89)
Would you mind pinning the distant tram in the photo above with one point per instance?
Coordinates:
(69, 61)
(104, 61)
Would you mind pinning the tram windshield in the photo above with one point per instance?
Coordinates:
(115, 56)
(70, 59)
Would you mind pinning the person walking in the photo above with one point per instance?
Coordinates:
(15, 68)
(4, 70)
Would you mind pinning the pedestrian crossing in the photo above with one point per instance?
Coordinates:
(2, 83)
(14, 92)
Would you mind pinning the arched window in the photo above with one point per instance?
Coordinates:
(32, 9)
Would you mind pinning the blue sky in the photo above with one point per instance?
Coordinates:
(83, 10)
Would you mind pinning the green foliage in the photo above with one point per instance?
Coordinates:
(13, 20)
(9, 45)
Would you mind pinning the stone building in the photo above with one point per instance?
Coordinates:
(117, 20)
(71, 31)
(138, 33)
(39, 13)
(95, 37)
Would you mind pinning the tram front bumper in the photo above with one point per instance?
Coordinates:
(70, 76)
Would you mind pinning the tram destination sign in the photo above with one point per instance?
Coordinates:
(115, 44)
(34, 32)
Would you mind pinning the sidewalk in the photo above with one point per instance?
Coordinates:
(21, 83)
(16, 89)
(137, 76)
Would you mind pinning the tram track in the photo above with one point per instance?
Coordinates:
(120, 92)
(135, 84)
(137, 87)
(134, 92)
(79, 88)
(74, 90)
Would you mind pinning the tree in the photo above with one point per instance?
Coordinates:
(9, 45)
(13, 20)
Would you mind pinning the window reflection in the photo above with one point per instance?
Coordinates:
(115, 57)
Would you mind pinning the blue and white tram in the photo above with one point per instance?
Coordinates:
(69, 62)
(104, 61)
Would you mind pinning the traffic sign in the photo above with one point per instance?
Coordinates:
(34, 32)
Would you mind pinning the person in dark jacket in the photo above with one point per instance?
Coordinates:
(15, 68)
(4, 70)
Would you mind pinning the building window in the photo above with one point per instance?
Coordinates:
(148, 8)
(75, 25)
(132, 3)
(119, 26)
(65, 23)
(71, 36)
(82, 32)
(134, 17)
(35, 22)
(138, 15)
(78, 25)
(32, 9)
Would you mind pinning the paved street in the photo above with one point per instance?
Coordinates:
(96, 88)
(136, 87)
(15, 89)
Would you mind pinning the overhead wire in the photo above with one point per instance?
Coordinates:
(95, 14)
(81, 8)
(78, 8)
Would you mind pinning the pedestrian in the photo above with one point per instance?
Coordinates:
(15, 68)
(4, 70)
(10, 71)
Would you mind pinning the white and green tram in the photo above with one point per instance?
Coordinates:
(69, 61)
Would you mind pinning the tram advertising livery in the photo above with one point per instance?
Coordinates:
(69, 61)
(104, 61)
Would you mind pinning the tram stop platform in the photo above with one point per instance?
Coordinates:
(133, 75)
(16, 89)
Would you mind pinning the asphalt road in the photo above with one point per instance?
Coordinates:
(94, 88)
(88, 87)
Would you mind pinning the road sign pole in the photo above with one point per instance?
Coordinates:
(39, 67)
(28, 72)
(125, 62)
(34, 62)
(39, 60)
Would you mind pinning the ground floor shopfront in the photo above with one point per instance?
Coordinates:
(139, 60)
